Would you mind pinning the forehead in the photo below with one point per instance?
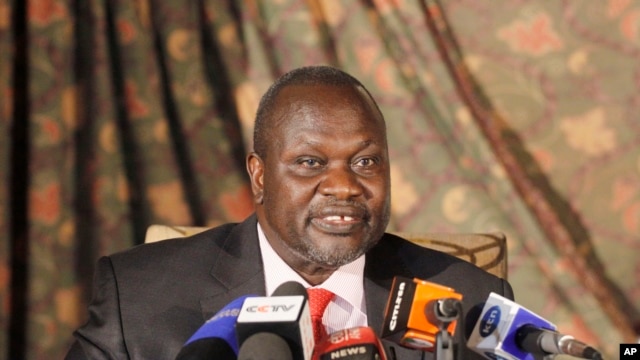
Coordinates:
(322, 106)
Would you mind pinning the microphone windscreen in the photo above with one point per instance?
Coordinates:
(290, 288)
(265, 346)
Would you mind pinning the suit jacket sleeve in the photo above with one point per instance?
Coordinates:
(101, 337)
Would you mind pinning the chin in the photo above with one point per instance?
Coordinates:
(332, 262)
(334, 256)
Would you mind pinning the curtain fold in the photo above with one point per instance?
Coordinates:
(562, 226)
(115, 115)
(10, 32)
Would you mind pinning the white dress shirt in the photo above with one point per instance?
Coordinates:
(346, 310)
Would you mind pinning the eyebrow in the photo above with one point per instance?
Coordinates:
(363, 143)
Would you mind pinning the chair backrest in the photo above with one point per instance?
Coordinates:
(487, 251)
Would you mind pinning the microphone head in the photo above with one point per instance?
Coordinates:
(444, 310)
(495, 333)
(264, 346)
(290, 288)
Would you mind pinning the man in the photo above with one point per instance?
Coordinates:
(320, 178)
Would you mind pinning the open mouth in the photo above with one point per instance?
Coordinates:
(339, 218)
(338, 224)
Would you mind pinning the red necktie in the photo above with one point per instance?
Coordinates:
(318, 301)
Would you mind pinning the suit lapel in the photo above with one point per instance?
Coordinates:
(382, 265)
(237, 268)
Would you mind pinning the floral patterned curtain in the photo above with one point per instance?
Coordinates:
(510, 116)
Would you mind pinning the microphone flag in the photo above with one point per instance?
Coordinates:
(407, 321)
(285, 314)
(494, 335)
(357, 343)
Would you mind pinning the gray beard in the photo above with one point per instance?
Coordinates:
(334, 256)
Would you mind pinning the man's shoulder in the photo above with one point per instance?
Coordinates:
(395, 256)
(229, 240)
(394, 244)
(164, 266)
(207, 240)
(425, 262)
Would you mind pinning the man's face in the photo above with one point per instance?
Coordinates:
(322, 189)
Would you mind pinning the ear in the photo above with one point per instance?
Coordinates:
(255, 168)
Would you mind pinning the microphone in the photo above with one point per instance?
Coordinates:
(216, 337)
(264, 346)
(357, 343)
(508, 331)
(443, 310)
(418, 310)
(285, 313)
(533, 340)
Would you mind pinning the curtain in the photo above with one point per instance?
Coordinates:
(502, 116)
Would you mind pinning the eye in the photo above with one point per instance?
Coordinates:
(365, 162)
(310, 163)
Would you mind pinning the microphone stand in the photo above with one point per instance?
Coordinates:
(447, 311)
(444, 344)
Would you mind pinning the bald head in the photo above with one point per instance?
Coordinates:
(304, 76)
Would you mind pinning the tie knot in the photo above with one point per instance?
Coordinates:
(318, 301)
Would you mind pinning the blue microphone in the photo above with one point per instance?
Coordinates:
(508, 331)
(217, 337)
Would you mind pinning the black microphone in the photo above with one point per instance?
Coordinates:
(543, 341)
(443, 311)
(285, 313)
(264, 346)
(216, 338)
(509, 331)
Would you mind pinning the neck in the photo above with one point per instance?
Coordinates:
(314, 275)
(311, 272)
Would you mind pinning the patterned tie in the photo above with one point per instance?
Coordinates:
(318, 301)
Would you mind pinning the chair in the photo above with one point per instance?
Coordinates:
(487, 251)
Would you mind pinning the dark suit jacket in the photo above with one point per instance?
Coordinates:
(148, 300)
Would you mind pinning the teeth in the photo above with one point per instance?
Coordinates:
(338, 218)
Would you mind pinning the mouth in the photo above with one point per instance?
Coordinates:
(339, 219)
(341, 222)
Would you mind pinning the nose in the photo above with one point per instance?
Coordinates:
(342, 183)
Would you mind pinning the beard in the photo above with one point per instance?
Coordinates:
(333, 255)
(325, 249)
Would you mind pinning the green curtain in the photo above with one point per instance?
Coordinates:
(519, 117)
